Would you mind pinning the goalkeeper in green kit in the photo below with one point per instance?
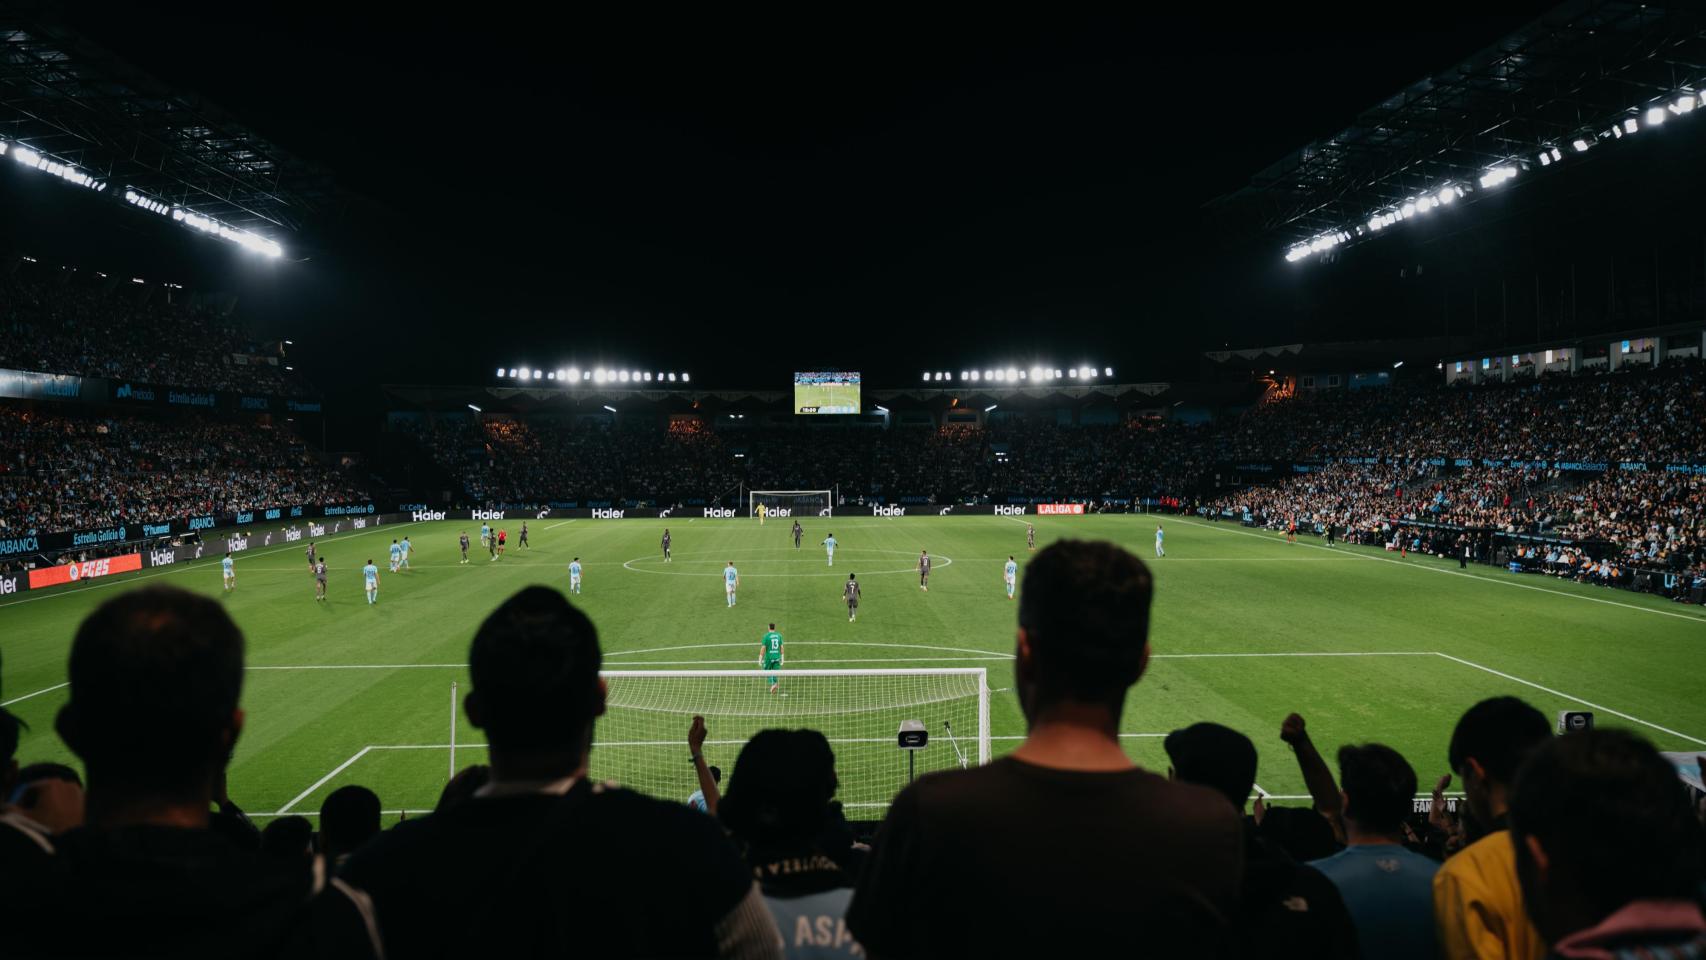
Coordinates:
(770, 656)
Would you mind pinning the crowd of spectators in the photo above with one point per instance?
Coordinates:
(76, 322)
(63, 472)
(1581, 845)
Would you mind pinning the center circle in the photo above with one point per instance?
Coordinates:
(652, 563)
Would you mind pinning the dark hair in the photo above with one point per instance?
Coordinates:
(1498, 733)
(1299, 831)
(716, 774)
(1211, 755)
(155, 677)
(1380, 785)
(772, 626)
(1613, 818)
(534, 666)
(11, 731)
(348, 818)
(780, 789)
(1085, 610)
(287, 838)
(47, 770)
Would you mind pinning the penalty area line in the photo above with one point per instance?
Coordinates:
(1571, 698)
(322, 781)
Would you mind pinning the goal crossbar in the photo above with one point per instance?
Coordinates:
(753, 498)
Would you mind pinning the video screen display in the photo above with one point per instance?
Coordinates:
(826, 392)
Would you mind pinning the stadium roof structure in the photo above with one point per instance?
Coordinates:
(68, 100)
(1558, 90)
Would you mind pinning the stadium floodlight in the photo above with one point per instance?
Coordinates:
(988, 375)
(1496, 176)
(636, 376)
(550, 374)
(648, 378)
(1001, 375)
(1684, 104)
(1581, 146)
(927, 378)
(538, 374)
(882, 409)
(474, 408)
(27, 157)
(512, 373)
(989, 408)
(609, 407)
(685, 378)
(672, 378)
(963, 375)
(1107, 371)
(1545, 158)
(525, 373)
(3, 146)
(1397, 365)
(1012, 374)
(1630, 125)
(500, 372)
(622, 376)
(1073, 373)
(1655, 116)
(1037, 373)
(974, 376)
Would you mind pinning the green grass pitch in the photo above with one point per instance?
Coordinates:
(1247, 628)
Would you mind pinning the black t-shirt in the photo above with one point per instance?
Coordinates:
(599, 872)
(1013, 858)
(1290, 909)
(169, 891)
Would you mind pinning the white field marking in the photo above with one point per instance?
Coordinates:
(1455, 573)
(1258, 789)
(322, 781)
(556, 525)
(807, 643)
(1559, 693)
(36, 694)
(735, 664)
(1275, 653)
(315, 813)
(180, 568)
(1123, 736)
(945, 563)
(361, 666)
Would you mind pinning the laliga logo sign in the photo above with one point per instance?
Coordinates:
(888, 511)
(718, 512)
(1002, 511)
(488, 515)
(607, 514)
(420, 516)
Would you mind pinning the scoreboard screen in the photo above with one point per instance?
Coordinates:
(826, 392)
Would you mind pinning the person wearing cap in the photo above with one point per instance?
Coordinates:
(1287, 909)
(1064, 847)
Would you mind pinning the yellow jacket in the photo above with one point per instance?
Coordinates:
(1478, 905)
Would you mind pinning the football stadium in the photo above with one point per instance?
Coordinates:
(812, 512)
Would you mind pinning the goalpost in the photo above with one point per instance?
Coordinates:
(787, 504)
(641, 741)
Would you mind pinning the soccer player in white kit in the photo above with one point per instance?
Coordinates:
(731, 581)
(575, 575)
(1010, 576)
(1158, 535)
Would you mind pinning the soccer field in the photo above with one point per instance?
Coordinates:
(1247, 628)
(826, 397)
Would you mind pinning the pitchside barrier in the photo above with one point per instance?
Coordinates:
(143, 546)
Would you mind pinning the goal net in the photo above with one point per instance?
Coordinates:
(790, 503)
(641, 741)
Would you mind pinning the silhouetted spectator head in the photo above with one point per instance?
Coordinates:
(11, 731)
(536, 690)
(155, 677)
(1600, 820)
(1210, 755)
(780, 788)
(1299, 831)
(1379, 788)
(463, 786)
(349, 817)
(1083, 626)
(288, 838)
(1488, 746)
(716, 774)
(36, 772)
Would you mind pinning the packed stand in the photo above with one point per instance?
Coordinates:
(76, 323)
(60, 473)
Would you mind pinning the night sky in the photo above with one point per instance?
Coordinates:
(743, 195)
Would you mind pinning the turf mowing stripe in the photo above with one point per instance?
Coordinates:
(322, 781)
(1456, 573)
(1585, 703)
(36, 694)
